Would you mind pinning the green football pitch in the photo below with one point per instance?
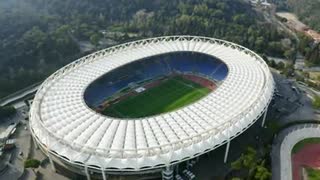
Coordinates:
(171, 94)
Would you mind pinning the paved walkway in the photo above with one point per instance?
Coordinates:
(19, 95)
(283, 144)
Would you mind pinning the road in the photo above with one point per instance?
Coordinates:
(309, 90)
(277, 60)
(19, 95)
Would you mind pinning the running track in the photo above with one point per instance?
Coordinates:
(308, 156)
(281, 149)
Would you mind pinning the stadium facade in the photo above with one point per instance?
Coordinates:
(74, 135)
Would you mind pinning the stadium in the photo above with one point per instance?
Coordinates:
(147, 106)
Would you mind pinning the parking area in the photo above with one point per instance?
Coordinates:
(11, 162)
(293, 102)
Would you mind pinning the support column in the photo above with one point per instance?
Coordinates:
(264, 117)
(103, 174)
(227, 152)
(176, 168)
(52, 163)
(197, 158)
(167, 174)
(35, 143)
(87, 172)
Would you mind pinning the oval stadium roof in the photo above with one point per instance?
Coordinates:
(61, 121)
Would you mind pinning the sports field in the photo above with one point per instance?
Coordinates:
(171, 94)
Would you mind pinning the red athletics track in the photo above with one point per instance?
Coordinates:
(308, 156)
(200, 80)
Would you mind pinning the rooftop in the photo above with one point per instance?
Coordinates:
(62, 121)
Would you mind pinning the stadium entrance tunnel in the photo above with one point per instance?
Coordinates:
(155, 85)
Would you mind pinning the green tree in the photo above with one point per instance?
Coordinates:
(33, 40)
(281, 65)
(250, 158)
(41, 41)
(290, 54)
(288, 70)
(95, 38)
(31, 163)
(6, 111)
(316, 102)
(262, 173)
(184, 8)
(237, 165)
(184, 23)
(236, 178)
(260, 43)
(247, 160)
(313, 56)
(272, 63)
(305, 43)
(201, 10)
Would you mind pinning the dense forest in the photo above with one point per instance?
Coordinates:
(313, 57)
(308, 11)
(39, 36)
(6, 111)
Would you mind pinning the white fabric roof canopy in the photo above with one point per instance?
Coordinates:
(61, 120)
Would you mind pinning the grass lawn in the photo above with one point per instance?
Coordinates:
(304, 142)
(168, 96)
(313, 174)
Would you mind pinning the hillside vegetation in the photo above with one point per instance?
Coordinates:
(308, 11)
(313, 57)
(39, 36)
